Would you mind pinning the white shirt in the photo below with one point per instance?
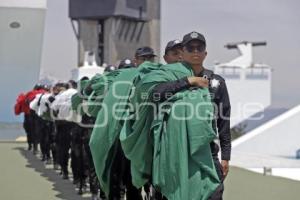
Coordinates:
(34, 103)
(63, 105)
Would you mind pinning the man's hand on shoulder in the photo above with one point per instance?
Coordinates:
(198, 81)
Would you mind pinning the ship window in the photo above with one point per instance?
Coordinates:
(15, 25)
(257, 73)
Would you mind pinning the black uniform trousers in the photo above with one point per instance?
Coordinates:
(36, 126)
(94, 184)
(121, 177)
(28, 127)
(218, 194)
(45, 129)
(63, 129)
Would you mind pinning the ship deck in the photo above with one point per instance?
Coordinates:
(24, 176)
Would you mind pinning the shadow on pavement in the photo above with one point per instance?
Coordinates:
(65, 188)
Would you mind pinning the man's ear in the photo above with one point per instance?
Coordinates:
(205, 53)
(165, 58)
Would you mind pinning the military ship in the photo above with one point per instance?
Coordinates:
(21, 38)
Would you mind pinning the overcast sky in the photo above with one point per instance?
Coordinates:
(274, 21)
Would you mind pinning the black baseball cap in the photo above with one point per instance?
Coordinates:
(144, 51)
(172, 44)
(110, 68)
(193, 36)
(126, 63)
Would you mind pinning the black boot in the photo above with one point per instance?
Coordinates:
(35, 149)
(65, 176)
(65, 173)
(95, 197)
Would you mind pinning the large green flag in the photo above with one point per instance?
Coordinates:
(171, 149)
(105, 135)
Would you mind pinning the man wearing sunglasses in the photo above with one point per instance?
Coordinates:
(193, 54)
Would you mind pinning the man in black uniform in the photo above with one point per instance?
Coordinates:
(194, 53)
(35, 136)
(120, 169)
(27, 125)
(63, 138)
(53, 139)
(173, 54)
(45, 129)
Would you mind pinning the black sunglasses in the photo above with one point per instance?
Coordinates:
(192, 48)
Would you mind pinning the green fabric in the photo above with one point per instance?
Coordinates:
(136, 132)
(110, 118)
(47, 116)
(100, 85)
(92, 99)
(175, 152)
(182, 164)
(77, 99)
